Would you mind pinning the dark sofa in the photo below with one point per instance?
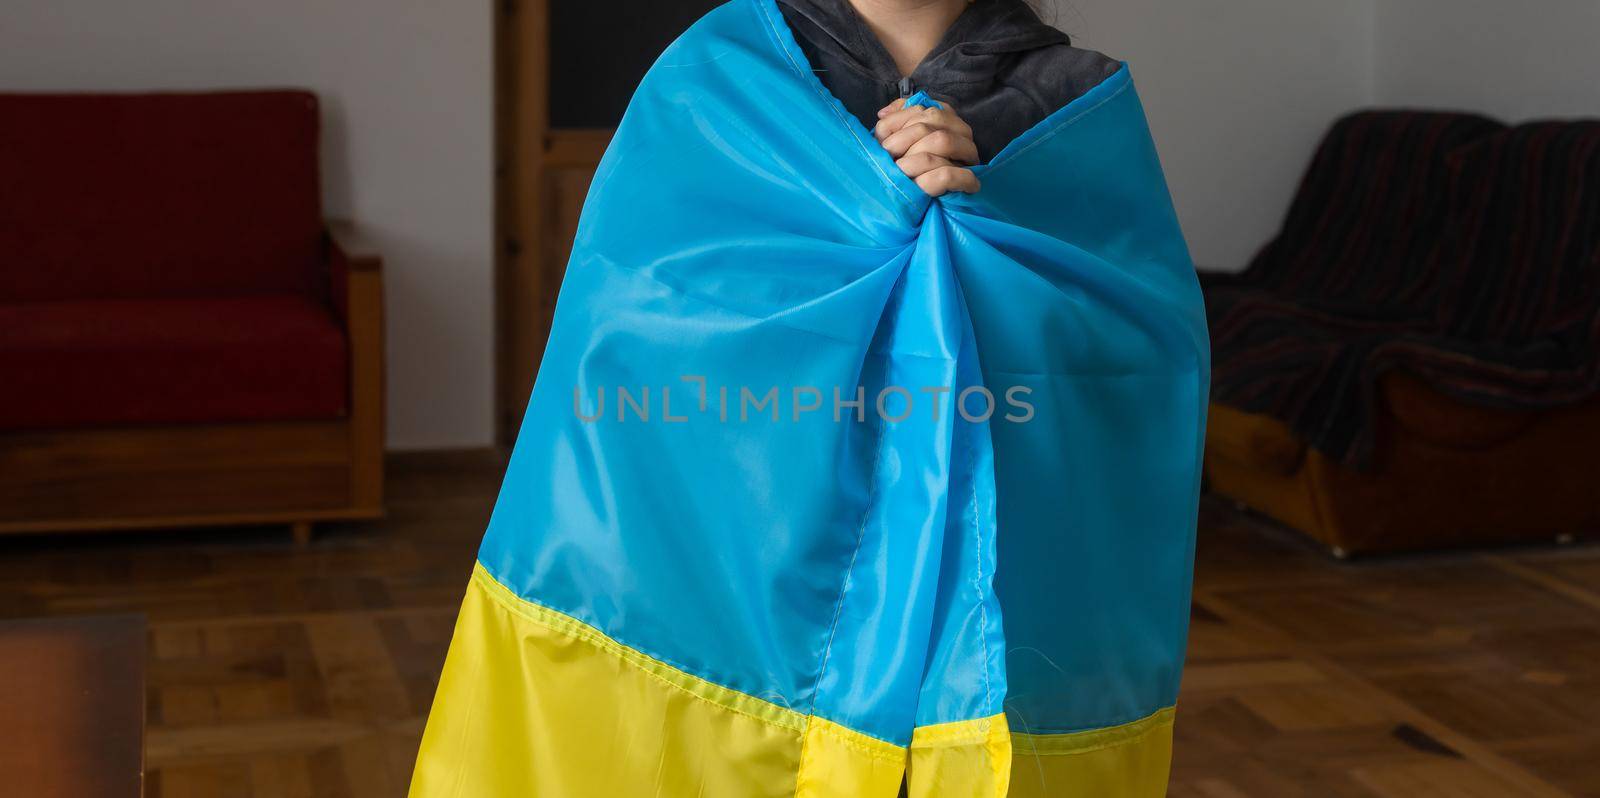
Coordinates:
(1414, 361)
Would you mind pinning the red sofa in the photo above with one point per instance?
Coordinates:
(176, 319)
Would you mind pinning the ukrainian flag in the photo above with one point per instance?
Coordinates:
(827, 488)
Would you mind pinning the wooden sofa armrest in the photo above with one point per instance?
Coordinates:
(346, 253)
(355, 273)
(1257, 441)
(1420, 410)
(347, 244)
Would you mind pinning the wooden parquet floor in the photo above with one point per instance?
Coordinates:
(284, 673)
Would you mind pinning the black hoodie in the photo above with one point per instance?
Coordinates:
(998, 65)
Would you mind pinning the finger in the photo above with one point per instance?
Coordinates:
(921, 163)
(945, 179)
(899, 143)
(948, 119)
(902, 116)
(949, 145)
(945, 118)
(893, 121)
(891, 107)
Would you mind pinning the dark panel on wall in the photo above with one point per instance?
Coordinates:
(599, 50)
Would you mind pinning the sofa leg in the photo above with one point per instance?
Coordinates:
(301, 530)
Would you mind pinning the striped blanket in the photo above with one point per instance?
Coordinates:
(1446, 245)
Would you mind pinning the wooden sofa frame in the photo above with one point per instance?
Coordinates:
(263, 472)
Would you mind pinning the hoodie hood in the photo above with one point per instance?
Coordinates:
(968, 53)
(998, 65)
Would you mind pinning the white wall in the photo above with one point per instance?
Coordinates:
(1238, 92)
(1514, 61)
(406, 87)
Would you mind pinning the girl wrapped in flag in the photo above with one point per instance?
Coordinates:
(852, 467)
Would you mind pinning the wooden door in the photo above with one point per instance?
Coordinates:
(552, 125)
(521, 121)
(541, 178)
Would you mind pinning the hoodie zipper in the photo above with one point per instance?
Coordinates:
(907, 88)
